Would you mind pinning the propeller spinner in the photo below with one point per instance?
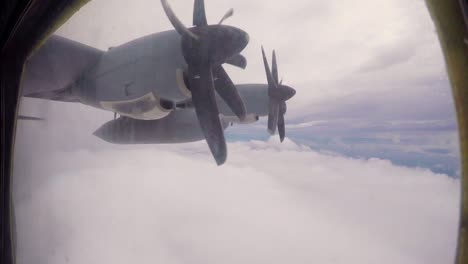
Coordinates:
(278, 95)
(205, 47)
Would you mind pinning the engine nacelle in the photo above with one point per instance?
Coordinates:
(180, 126)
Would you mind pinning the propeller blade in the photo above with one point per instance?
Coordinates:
(228, 14)
(237, 60)
(228, 92)
(204, 101)
(179, 27)
(281, 126)
(271, 82)
(199, 15)
(274, 68)
(273, 109)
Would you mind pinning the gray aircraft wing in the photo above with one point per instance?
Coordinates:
(56, 65)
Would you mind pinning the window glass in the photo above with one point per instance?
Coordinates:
(111, 165)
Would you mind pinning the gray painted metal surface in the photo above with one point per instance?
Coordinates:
(130, 79)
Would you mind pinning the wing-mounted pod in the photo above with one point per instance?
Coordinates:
(180, 126)
(249, 119)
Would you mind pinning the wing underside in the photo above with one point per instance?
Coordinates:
(55, 66)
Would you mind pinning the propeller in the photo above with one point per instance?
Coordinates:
(205, 48)
(278, 94)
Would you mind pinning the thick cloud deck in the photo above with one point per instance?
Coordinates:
(271, 203)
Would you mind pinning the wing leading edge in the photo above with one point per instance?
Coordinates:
(57, 64)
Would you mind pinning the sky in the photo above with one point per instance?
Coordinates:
(371, 90)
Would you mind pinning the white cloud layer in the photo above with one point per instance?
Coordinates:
(271, 203)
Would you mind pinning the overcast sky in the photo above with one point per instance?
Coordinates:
(81, 200)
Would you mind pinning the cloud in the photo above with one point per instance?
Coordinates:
(271, 203)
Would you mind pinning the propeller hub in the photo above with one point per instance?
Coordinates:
(282, 93)
(215, 45)
(288, 92)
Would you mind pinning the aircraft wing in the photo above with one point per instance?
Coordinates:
(254, 96)
(55, 66)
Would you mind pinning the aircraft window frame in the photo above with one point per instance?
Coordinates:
(447, 17)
